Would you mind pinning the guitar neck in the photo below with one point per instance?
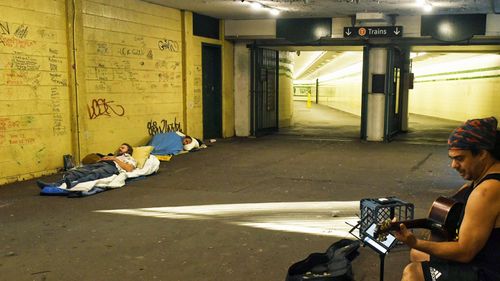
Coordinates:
(417, 223)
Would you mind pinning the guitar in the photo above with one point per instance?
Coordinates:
(442, 220)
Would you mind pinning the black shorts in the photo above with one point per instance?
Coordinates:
(443, 270)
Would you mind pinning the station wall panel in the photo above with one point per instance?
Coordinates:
(35, 125)
(132, 67)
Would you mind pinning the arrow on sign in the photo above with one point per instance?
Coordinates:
(396, 31)
(348, 32)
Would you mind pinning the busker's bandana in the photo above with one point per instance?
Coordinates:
(475, 134)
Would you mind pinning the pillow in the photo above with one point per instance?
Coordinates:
(91, 158)
(141, 154)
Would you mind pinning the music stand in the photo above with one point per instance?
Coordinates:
(380, 247)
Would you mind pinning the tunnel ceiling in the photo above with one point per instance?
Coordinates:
(309, 65)
(237, 9)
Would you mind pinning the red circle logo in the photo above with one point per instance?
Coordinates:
(362, 31)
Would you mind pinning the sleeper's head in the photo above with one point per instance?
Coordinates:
(187, 140)
(125, 148)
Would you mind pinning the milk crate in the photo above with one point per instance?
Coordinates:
(380, 209)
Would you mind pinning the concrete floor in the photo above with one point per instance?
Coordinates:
(324, 122)
(243, 209)
(200, 230)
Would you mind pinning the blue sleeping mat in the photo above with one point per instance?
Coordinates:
(56, 191)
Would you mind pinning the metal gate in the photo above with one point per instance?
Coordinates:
(264, 91)
(397, 70)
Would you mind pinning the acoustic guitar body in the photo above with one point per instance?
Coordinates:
(444, 217)
(442, 220)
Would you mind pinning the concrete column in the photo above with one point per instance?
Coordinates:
(242, 89)
(376, 101)
(285, 89)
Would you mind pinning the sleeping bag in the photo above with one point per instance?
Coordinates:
(166, 144)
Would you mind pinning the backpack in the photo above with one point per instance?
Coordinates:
(333, 265)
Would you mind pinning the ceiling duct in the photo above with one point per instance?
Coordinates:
(372, 17)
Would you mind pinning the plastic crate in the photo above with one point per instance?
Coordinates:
(380, 209)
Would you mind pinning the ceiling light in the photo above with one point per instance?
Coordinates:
(427, 7)
(420, 2)
(274, 12)
(256, 5)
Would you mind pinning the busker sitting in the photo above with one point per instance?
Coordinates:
(474, 255)
(105, 167)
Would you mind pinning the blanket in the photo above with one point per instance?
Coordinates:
(166, 144)
(115, 181)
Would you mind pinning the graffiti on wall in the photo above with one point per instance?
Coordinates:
(14, 37)
(24, 70)
(101, 107)
(164, 127)
(168, 45)
(54, 63)
(46, 34)
(58, 127)
(126, 51)
(14, 131)
(21, 30)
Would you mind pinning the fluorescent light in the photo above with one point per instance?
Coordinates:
(420, 2)
(308, 64)
(256, 5)
(352, 69)
(418, 54)
(427, 7)
(274, 12)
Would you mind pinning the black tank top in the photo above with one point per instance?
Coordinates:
(488, 259)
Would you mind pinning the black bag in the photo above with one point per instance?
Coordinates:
(333, 265)
(68, 162)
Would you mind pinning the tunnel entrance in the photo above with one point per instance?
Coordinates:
(451, 84)
(324, 93)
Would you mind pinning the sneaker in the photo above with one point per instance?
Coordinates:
(42, 184)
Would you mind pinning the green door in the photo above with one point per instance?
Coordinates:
(212, 91)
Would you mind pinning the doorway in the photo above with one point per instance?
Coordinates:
(264, 91)
(212, 91)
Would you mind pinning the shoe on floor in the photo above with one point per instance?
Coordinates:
(42, 184)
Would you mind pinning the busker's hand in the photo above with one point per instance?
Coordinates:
(405, 236)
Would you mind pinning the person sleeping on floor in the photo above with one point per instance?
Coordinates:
(174, 143)
(105, 167)
(189, 143)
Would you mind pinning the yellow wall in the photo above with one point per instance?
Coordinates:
(35, 125)
(131, 65)
(285, 89)
(462, 100)
(343, 94)
(84, 78)
(462, 92)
